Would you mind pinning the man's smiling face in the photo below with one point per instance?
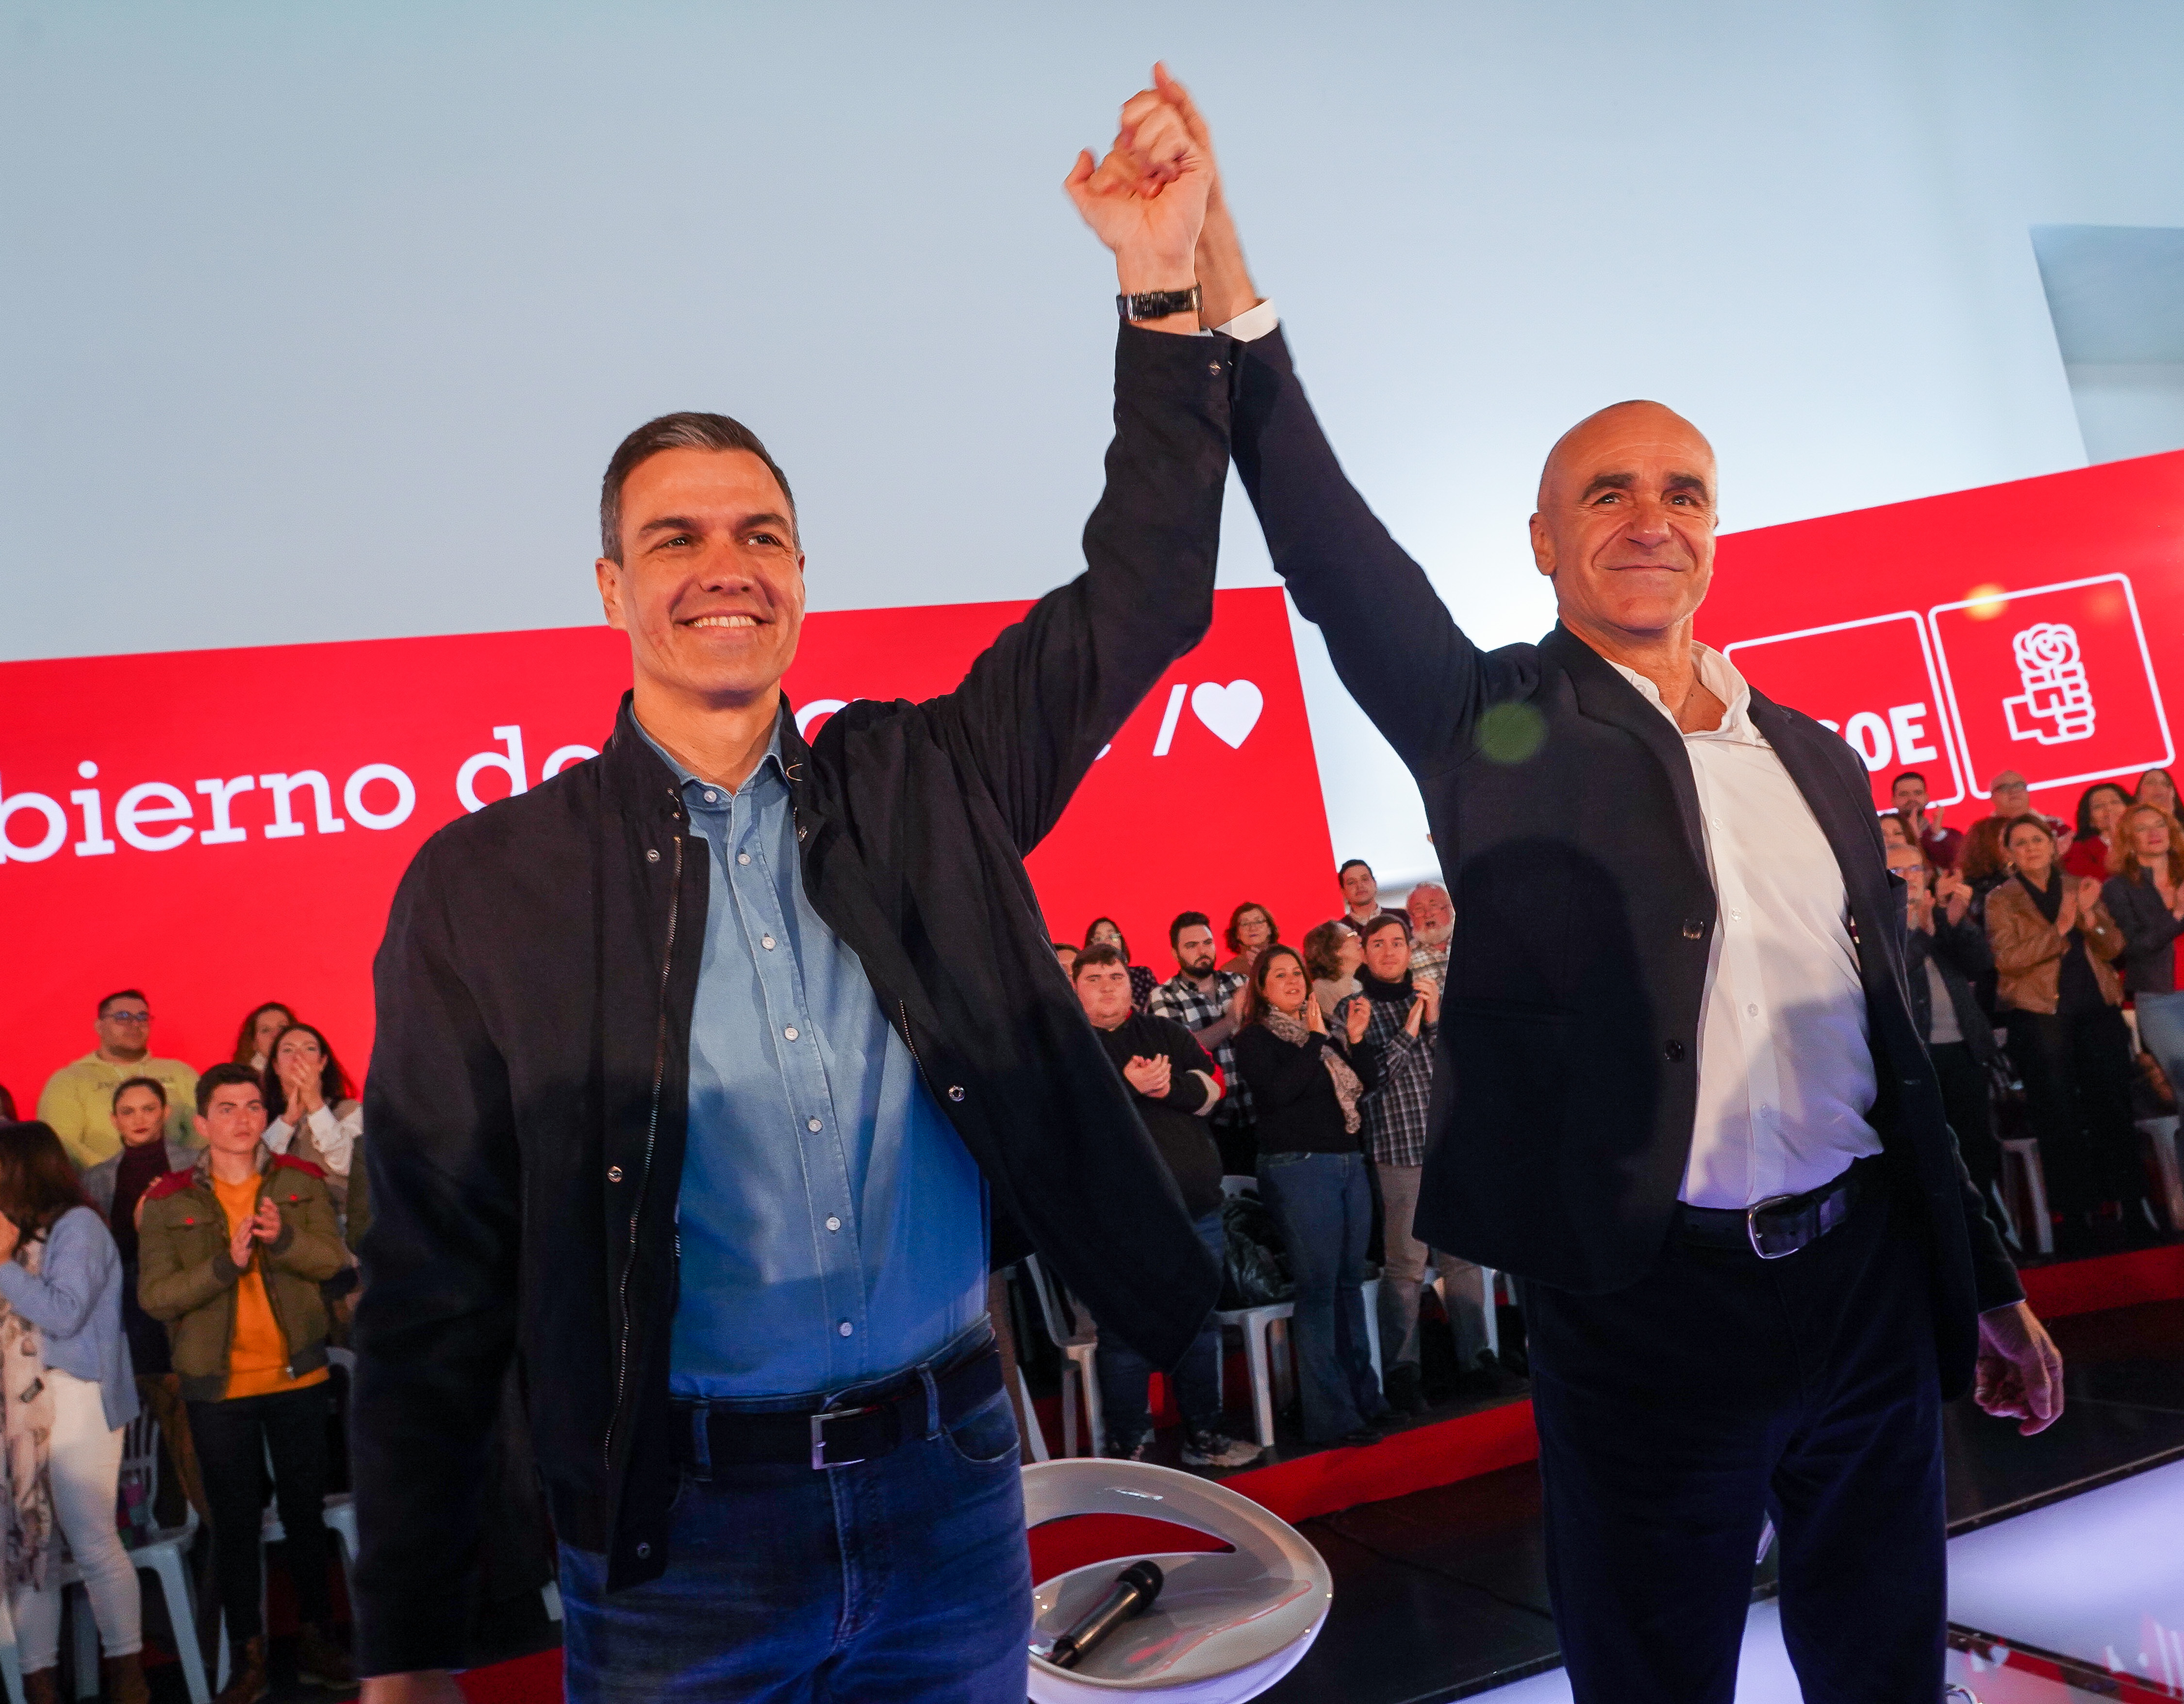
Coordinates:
(710, 587)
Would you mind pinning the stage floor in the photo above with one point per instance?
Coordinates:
(1441, 1594)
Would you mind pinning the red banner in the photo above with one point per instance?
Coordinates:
(2037, 626)
(224, 828)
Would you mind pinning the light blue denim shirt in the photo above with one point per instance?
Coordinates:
(75, 1300)
(832, 1225)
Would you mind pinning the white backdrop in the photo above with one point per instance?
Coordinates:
(320, 321)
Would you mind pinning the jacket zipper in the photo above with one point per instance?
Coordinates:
(651, 1136)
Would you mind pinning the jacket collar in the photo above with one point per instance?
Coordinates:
(640, 782)
(1604, 696)
(1845, 813)
(201, 1166)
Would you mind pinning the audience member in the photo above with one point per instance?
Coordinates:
(2157, 788)
(2011, 797)
(1942, 846)
(1398, 1039)
(1946, 956)
(60, 1277)
(2146, 898)
(314, 1116)
(1361, 895)
(1252, 930)
(1984, 862)
(253, 1042)
(1066, 952)
(1333, 953)
(1105, 929)
(1433, 922)
(233, 1253)
(2054, 943)
(7, 1115)
(117, 1185)
(1895, 832)
(2100, 808)
(1210, 1004)
(1308, 1090)
(1171, 1079)
(78, 1101)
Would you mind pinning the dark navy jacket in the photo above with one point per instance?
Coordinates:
(1566, 822)
(535, 989)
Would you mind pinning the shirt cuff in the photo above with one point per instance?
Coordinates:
(1253, 324)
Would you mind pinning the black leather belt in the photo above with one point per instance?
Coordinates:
(1781, 1224)
(708, 1436)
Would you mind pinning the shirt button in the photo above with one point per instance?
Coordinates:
(766, 942)
(833, 1223)
(1751, 1011)
(652, 854)
(643, 1552)
(812, 1124)
(844, 1328)
(614, 1174)
(1694, 927)
(790, 1032)
(1673, 1051)
(712, 798)
(955, 1091)
(743, 858)
(1737, 917)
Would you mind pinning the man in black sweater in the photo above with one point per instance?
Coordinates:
(1173, 1081)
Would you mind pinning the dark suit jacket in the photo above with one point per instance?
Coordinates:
(1961, 953)
(1562, 806)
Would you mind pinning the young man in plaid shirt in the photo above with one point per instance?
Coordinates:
(1210, 1004)
(1399, 1036)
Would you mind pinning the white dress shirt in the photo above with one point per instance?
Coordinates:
(334, 1138)
(1785, 1064)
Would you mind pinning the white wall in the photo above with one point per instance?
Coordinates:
(319, 322)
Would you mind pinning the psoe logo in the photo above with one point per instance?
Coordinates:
(2057, 704)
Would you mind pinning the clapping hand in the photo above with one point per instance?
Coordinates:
(302, 1083)
(1954, 892)
(1356, 1014)
(2089, 894)
(1315, 1018)
(1148, 1076)
(11, 1237)
(263, 1225)
(2066, 914)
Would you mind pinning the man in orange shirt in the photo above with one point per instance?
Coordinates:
(232, 1253)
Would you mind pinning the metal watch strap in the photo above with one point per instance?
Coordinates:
(1157, 304)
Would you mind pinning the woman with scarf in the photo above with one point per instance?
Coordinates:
(2055, 946)
(1313, 1177)
(66, 1391)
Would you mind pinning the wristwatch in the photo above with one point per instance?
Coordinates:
(1157, 304)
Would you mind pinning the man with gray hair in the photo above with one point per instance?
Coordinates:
(1433, 921)
(710, 1073)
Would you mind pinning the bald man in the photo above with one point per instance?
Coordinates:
(1684, 1100)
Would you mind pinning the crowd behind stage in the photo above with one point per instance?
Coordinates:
(184, 1241)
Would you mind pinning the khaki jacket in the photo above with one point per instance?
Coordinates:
(2028, 953)
(185, 1278)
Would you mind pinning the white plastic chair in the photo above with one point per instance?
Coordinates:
(164, 1554)
(2160, 1137)
(2024, 1183)
(1079, 1344)
(1227, 1625)
(11, 1664)
(1257, 1325)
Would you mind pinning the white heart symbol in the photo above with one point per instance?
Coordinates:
(1232, 711)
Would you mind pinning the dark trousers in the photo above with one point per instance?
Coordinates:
(233, 1440)
(2076, 1069)
(1324, 1204)
(1126, 1376)
(1967, 1103)
(1676, 1416)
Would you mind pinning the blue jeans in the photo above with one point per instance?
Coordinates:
(2161, 1033)
(900, 1579)
(1323, 1202)
(1124, 1374)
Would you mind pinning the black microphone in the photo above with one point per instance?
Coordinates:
(1132, 1593)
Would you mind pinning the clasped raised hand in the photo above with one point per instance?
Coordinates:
(1146, 198)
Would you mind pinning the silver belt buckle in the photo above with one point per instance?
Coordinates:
(1752, 1228)
(819, 1435)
